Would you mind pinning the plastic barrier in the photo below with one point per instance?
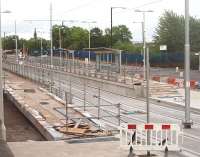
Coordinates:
(163, 137)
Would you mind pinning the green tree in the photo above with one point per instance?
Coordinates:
(97, 38)
(195, 34)
(9, 42)
(121, 33)
(126, 46)
(79, 38)
(170, 31)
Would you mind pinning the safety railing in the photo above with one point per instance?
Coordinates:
(83, 96)
(76, 66)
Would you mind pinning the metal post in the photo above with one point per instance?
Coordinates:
(199, 60)
(147, 97)
(73, 60)
(41, 49)
(2, 126)
(119, 116)
(51, 34)
(51, 40)
(84, 92)
(66, 110)
(144, 44)
(70, 89)
(17, 58)
(187, 123)
(120, 60)
(60, 46)
(111, 27)
(124, 74)
(99, 102)
(89, 45)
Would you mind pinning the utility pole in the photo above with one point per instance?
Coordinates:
(199, 60)
(60, 45)
(144, 36)
(2, 126)
(51, 35)
(89, 37)
(111, 9)
(147, 96)
(89, 43)
(146, 76)
(144, 44)
(41, 49)
(111, 23)
(187, 123)
(17, 59)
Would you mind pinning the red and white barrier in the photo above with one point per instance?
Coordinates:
(162, 137)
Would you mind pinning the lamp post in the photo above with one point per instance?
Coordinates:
(146, 69)
(2, 126)
(187, 123)
(144, 36)
(41, 46)
(60, 42)
(51, 36)
(111, 22)
(89, 37)
(144, 45)
(16, 48)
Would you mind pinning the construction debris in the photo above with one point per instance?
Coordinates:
(81, 129)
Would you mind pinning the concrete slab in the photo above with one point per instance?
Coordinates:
(179, 99)
(62, 149)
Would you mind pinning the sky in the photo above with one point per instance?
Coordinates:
(88, 10)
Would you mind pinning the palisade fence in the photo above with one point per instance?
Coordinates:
(157, 59)
(82, 95)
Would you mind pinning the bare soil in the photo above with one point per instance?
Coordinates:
(18, 128)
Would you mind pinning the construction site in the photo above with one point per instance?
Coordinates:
(83, 89)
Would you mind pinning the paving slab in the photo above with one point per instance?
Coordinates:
(64, 149)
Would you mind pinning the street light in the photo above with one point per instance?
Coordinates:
(144, 35)
(2, 126)
(60, 41)
(111, 22)
(41, 46)
(187, 123)
(144, 45)
(146, 61)
(89, 38)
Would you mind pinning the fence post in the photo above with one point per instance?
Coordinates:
(4, 80)
(99, 102)
(70, 66)
(51, 83)
(70, 89)
(84, 92)
(66, 110)
(59, 80)
(124, 74)
(119, 116)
